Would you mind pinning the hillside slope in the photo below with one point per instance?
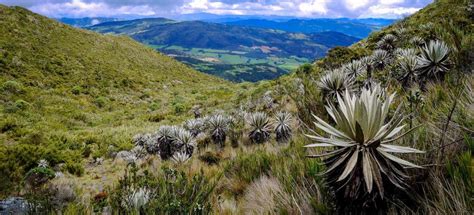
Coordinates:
(232, 52)
(439, 106)
(63, 87)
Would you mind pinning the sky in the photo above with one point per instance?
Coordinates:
(166, 8)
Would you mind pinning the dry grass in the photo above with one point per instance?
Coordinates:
(267, 195)
(261, 196)
(97, 179)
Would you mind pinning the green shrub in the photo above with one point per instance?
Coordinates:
(179, 108)
(210, 158)
(341, 55)
(86, 151)
(157, 117)
(79, 116)
(8, 124)
(145, 94)
(33, 138)
(251, 166)
(76, 90)
(12, 87)
(304, 69)
(202, 97)
(101, 102)
(18, 105)
(41, 171)
(74, 168)
(154, 106)
(461, 167)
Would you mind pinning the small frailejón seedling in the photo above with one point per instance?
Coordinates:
(434, 60)
(218, 126)
(336, 82)
(361, 167)
(43, 163)
(180, 157)
(283, 127)
(136, 198)
(260, 127)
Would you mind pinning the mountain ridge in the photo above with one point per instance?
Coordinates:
(357, 28)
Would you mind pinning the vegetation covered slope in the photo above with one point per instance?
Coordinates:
(232, 52)
(426, 59)
(66, 90)
(259, 175)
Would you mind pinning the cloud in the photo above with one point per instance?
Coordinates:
(355, 4)
(313, 7)
(302, 8)
(383, 10)
(80, 8)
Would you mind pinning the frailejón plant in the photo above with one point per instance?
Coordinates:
(360, 163)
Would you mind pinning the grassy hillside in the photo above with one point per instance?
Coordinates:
(65, 90)
(232, 52)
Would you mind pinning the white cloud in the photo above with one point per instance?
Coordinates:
(284, 8)
(313, 7)
(391, 2)
(199, 4)
(355, 4)
(95, 22)
(306, 8)
(80, 8)
(389, 12)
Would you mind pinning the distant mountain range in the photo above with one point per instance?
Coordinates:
(237, 53)
(360, 28)
(209, 17)
(355, 27)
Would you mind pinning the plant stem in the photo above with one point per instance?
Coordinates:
(445, 129)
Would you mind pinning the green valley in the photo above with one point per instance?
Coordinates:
(232, 52)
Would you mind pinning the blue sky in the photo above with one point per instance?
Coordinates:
(300, 8)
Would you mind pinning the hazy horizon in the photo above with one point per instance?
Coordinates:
(392, 9)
